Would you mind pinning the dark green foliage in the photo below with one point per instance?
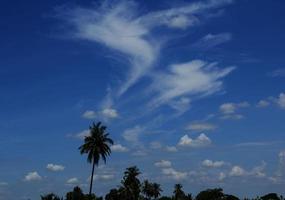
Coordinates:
(178, 192)
(165, 198)
(113, 195)
(214, 194)
(50, 197)
(76, 194)
(131, 184)
(151, 190)
(96, 146)
(270, 196)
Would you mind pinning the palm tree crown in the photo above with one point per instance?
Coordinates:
(96, 146)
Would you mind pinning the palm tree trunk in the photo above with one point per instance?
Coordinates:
(91, 181)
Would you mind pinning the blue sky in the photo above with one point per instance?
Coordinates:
(192, 92)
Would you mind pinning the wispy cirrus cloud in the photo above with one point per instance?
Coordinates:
(122, 28)
(212, 40)
(195, 78)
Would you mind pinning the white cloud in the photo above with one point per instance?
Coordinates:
(132, 134)
(105, 177)
(119, 148)
(281, 100)
(55, 168)
(262, 104)
(231, 108)
(278, 73)
(89, 114)
(258, 171)
(213, 164)
(195, 78)
(222, 176)
(81, 135)
(33, 176)
(281, 170)
(201, 126)
(181, 105)
(163, 163)
(119, 27)
(102, 177)
(212, 40)
(72, 181)
(237, 171)
(201, 141)
(171, 149)
(232, 117)
(110, 113)
(139, 153)
(155, 145)
(174, 174)
(182, 22)
(2, 184)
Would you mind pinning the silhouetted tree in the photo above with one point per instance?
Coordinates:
(131, 184)
(151, 190)
(50, 196)
(270, 196)
(178, 192)
(213, 194)
(113, 195)
(147, 189)
(96, 146)
(156, 190)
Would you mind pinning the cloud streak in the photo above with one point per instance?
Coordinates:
(121, 28)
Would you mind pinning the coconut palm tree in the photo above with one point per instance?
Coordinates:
(178, 192)
(96, 146)
(147, 189)
(156, 190)
(131, 183)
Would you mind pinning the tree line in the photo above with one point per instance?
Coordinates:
(97, 146)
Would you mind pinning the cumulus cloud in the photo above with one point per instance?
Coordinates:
(163, 163)
(213, 164)
(89, 114)
(119, 148)
(200, 126)
(55, 168)
(73, 181)
(81, 135)
(258, 171)
(229, 110)
(237, 171)
(120, 27)
(222, 176)
(201, 141)
(110, 113)
(281, 100)
(195, 78)
(32, 176)
(174, 174)
(132, 134)
(263, 104)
